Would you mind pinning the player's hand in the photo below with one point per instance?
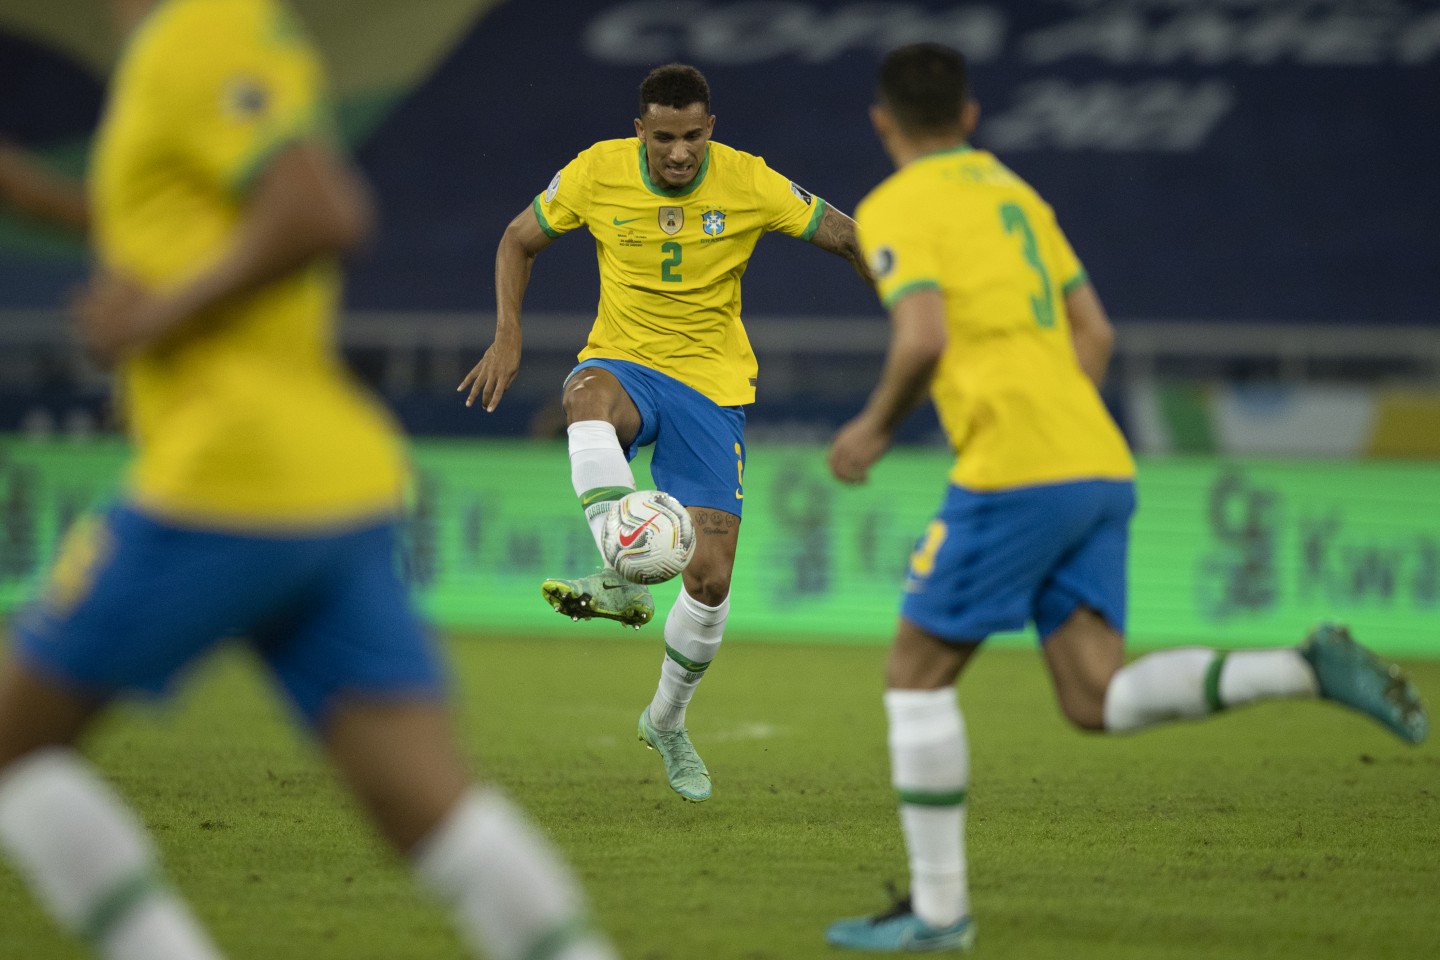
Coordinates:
(857, 446)
(492, 376)
(115, 314)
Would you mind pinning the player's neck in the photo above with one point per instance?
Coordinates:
(906, 150)
(127, 14)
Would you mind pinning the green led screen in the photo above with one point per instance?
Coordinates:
(1224, 552)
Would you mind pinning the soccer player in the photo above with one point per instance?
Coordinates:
(675, 216)
(994, 317)
(263, 500)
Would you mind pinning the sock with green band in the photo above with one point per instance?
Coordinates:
(693, 632)
(930, 770)
(599, 471)
(1191, 682)
(90, 862)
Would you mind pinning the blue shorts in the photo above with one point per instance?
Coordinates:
(994, 561)
(132, 601)
(699, 456)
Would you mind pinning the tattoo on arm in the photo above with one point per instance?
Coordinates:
(836, 233)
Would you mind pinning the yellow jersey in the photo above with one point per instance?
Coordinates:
(246, 418)
(671, 260)
(1009, 390)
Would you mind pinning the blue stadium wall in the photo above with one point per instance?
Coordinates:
(1210, 160)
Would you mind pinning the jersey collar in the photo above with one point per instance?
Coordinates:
(684, 191)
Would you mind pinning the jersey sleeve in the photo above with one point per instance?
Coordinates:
(897, 247)
(244, 83)
(786, 206)
(1068, 268)
(564, 204)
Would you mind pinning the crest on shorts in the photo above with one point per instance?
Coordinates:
(713, 222)
(672, 219)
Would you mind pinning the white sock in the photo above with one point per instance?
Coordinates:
(90, 862)
(512, 895)
(930, 770)
(599, 471)
(693, 632)
(1196, 681)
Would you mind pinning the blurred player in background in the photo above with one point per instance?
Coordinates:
(264, 499)
(675, 218)
(993, 317)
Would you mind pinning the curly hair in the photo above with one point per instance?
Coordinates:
(674, 85)
(925, 86)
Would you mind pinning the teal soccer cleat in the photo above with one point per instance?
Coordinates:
(900, 931)
(683, 766)
(605, 594)
(1348, 673)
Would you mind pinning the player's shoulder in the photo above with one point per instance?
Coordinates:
(196, 32)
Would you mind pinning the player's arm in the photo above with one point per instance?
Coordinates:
(27, 187)
(917, 341)
(307, 204)
(836, 233)
(523, 240)
(1090, 330)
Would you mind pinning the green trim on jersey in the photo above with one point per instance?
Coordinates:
(931, 798)
(815, 219)
(946, 151)
(684, 191)
(1079, 280)
(550, 231)
(914, 286)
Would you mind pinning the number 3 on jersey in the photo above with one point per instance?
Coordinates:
(667, 271)
(1014, 220)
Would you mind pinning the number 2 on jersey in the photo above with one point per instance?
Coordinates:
(666, 272)
(1013, 218)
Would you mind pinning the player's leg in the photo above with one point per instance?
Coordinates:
(930, 771)
(511, 894)
(1098, 691)
(603, 425)
(973, 573)
(700, 459)
(694, 629)
(123, 610)
(361, 669)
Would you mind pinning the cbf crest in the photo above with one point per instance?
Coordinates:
(713, 222)
(672, 219)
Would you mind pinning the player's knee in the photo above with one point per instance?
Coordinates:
(1085, 711)
(710, 589)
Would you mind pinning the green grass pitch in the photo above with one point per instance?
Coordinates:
(1282, 831)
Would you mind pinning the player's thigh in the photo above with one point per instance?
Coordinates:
(132, 601)
(400, 760)
(354, 635)
(593, 392)
(1083, 654)
(919, 660)
(717, 537)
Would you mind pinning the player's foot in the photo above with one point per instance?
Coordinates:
(605, 594)
(683, 766)
(899, 930)
(1350, 674)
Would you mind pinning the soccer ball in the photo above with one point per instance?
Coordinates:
(648, 537)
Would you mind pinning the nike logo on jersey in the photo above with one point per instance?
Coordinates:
(628, 538)
(620, 223)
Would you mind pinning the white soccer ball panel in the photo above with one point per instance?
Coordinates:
(648, 537)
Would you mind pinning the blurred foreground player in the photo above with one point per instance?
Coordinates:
(993, 317)
(263, 498)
